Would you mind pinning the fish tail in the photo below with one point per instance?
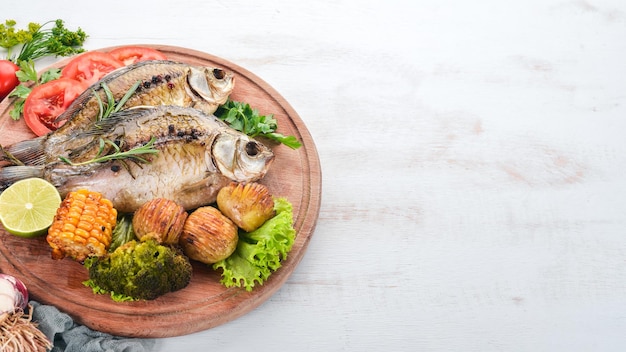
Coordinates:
(11, 174)
(27, 152)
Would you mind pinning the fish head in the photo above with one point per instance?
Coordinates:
(211, 86)
(241, 158)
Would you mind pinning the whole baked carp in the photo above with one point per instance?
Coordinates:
(160, 83)
(196, 155)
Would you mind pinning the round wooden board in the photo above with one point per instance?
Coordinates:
(205, 303)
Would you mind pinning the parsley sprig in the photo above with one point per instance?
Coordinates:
(242, 117)
(26, 74)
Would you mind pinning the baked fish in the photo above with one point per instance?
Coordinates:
(197, 155)
(161, 83)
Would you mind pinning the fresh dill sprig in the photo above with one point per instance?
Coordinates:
(134, 154)
(55, 41)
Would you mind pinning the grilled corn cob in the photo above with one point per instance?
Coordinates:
(82, 226)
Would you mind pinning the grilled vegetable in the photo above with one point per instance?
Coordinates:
(261, 251)
(82, 226)
(208, 236)
(248, 205)
(161, 219)
(139, 270)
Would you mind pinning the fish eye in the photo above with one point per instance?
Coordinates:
(218, 73)
(252, 149)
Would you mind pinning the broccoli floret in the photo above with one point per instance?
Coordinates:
(139, 270)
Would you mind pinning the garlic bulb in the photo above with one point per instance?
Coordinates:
(13, 294)
(18, 331)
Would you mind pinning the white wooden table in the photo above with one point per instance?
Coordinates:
(473, 160)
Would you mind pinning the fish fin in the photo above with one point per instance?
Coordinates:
(115, 118)
(110, 122)
(11, 174)
(29, 152)
(209, 185)
(194, 187)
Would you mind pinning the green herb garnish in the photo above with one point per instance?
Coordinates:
(111, 105)
(122, 232)
(37, 41)
(134, 154)
(242, 117)
(25, 46)
(26, 74)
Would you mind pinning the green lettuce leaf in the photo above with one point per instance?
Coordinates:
(261, 251)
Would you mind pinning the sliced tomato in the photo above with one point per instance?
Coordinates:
(47, 101)
(131, 54)
(89, 67)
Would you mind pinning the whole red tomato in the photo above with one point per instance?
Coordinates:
(8, 80)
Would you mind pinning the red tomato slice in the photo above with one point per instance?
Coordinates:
(131, 54)
(89, 67)
(47, 101)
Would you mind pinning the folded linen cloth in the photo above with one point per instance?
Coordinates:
(68, 336)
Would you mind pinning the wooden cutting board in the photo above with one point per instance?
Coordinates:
(205, 303)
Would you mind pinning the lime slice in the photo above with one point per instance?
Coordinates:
(27, 207)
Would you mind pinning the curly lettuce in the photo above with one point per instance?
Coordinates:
(261, 251)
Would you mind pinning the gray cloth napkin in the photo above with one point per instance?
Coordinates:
(68, 336)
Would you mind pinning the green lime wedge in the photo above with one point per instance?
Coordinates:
(27, 207)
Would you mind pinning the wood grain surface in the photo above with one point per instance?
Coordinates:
(205, 303)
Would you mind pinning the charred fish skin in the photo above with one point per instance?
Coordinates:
(135, 127)
(197, 155)
(162, 82)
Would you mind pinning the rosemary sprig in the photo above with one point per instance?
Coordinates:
(111, 106)
(134, 154)
(9, 157)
